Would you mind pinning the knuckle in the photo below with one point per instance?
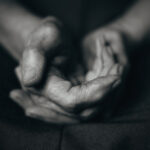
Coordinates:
(51, 27)
(49, 36)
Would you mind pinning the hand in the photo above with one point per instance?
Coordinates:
(48, 44)
(46, 47)
(40, 107)
(98, 81)
(106, 62)
(45, 55)
(104, 52)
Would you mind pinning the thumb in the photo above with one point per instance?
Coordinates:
(46, 38)
(32, 67)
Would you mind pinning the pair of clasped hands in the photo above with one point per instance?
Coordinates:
(56, 86)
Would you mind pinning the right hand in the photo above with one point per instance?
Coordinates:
(46, 48)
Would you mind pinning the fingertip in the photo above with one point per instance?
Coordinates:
(16, 96)
(14, 93)
(32, 67)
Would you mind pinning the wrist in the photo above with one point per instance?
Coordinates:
(134, 31)
(14, 37)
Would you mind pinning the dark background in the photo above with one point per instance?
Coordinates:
(128, 129)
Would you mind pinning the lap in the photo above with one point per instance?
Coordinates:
(132, 114)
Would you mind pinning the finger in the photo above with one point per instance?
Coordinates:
(45, 38)
(103, 62)
(21, 98)
(56, 89)
(92, 92)
(37, 98)
(38, 112)
(97, 66)
(46, 103)
(108, 60)
(47, 115)
(18, 74)
(33, 63)
(118, 48)
(117, 69)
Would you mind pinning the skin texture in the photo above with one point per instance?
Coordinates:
(53, 90)
(105, 62)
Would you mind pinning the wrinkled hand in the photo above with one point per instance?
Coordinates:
(105, 61)
(104, 53)
(46, 52)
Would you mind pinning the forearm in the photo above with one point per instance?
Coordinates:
(15, 25)
(136, 21)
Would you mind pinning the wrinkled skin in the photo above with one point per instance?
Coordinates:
(49, 94)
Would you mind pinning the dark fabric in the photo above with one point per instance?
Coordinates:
(127, 129)
(117, 136)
